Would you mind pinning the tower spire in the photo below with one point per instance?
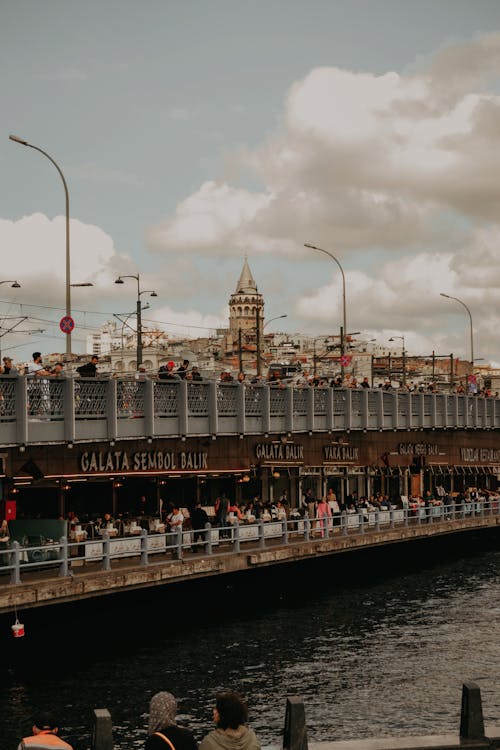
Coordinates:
(246, 283)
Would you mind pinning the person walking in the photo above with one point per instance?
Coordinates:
(324, 517)
(309, 503)
(45, 735)
(163, 732)
(231, 732)
(199, 518)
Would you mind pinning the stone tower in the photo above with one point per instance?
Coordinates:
(246, 311)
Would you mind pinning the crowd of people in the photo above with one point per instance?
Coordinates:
(230, 717)
(303, 379)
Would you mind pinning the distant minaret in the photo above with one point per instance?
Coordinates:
(246, 309)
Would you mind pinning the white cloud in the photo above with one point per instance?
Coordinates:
(207, 217)
(404, 165)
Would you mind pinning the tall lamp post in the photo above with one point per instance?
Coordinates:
(404, 356)
(257, 333)
(151, 293)
(448, 296)
(344, 313)
(16, 139)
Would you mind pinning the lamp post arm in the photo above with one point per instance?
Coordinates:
(470, 321)
(66, 193)
(68, 261)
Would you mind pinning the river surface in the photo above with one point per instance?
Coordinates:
(372, 647)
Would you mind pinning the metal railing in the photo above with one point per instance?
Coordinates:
(64, 555)
(44, 410)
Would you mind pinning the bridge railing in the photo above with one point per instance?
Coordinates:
(61, 557)
(42, 410)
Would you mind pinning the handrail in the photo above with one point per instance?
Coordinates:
(52, 410)
(156, 548)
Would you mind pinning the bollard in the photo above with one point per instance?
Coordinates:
(344, 520)
(102, 730)
(144, 547)
(106, 551)
(63, 557)
(471, 718)
(208, 538)
(295, 732)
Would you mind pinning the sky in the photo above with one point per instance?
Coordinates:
(192, 134)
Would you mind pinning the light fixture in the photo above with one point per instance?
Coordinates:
(150, 440)
(117, 483)
(276, 474)
(112, 443)
(70, 445)
(22, 448)
(245, 478)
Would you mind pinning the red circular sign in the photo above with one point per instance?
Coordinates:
(345, 360)
(66, 324)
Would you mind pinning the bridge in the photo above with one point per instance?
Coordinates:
(41, 411)
(71, 571)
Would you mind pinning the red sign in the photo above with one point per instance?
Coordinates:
(66, 324)
(345, 360)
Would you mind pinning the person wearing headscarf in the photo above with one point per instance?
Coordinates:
(163, 732)
(231, 732)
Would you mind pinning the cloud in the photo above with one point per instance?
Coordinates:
(36, 257)
(214, 211)
(372, 160)
(397, 172)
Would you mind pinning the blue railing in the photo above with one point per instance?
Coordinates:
(49, 410)
(63, 556)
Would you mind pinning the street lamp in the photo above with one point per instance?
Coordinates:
(257, 336)
(448, 296)
(344, 313)
(404, 356)
(151, 293)
(16, 139)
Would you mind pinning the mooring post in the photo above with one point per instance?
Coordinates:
(471, 719)
(102, 730)
(295, 734)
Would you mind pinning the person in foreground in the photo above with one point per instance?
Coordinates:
(164, 734)
(44, 737)
(231, 733)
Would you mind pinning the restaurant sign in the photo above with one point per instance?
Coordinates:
(340, 453)
(475, 455)
(113, 461)
(279, 452)
(418, 449)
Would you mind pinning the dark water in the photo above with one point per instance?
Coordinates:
(376, 644)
